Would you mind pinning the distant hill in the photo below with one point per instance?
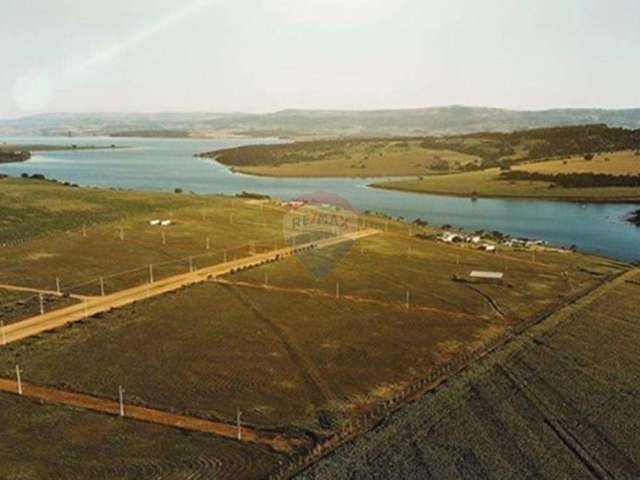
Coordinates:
(328, 123)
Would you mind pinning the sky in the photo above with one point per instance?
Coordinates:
(267, 55)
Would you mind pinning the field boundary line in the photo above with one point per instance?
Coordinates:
(277, 441)
(353, 298)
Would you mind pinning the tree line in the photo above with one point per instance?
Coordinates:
(574, 180)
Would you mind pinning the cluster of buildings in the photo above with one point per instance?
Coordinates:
(449, 237)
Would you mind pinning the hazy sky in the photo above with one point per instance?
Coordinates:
(265, 55)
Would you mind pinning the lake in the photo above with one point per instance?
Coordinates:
(165, 164)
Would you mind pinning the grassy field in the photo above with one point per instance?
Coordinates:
(344, 158)
(209, 349)
(616, 163)
(559, 402)
(303, 343)
(51, 232)
(415, 156)
(488, 183)
(46, 441)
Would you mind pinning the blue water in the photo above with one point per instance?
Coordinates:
(165, 164)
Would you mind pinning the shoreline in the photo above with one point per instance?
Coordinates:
(597, 200)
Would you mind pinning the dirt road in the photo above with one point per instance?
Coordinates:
(96, 305)
(276, 441)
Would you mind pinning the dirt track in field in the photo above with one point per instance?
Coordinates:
(318, 388)
(278, 442)
(311, 292)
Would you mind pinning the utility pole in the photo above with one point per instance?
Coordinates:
(19, 379)
(121, 399)
(150, 273)
(41, 304)
(238, 425)
(102, 286)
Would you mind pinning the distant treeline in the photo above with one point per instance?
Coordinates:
(308, 151)
(540, 143)
(574, 180)
(495, 149)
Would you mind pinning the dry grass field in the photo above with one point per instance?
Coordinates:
(55, 235)
(47, 441)
(616, 163)
(209, 349)
(560, 402)
(487, 183)
(355, 158)
(299, 345)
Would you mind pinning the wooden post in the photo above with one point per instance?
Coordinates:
(238, 424)
(190, 264)
(84, 230)
(121, 399)
(102, 286)
(19, 379)
(41, 304)
(150, 273)
(408, 299)
(208, 243)
(266, 280)
(164, 238)
(58, 286)
(337, 289)
(121, 234)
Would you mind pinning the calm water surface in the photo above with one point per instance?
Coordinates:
(164, 164)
